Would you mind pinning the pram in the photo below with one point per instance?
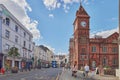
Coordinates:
(74, 73)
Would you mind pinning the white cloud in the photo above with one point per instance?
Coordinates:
(61, 53)
(113, 19)
(51, 15)
(51, 4)
(67, 1)
(106, 33)
(70, 1)
(19, 9)
(51, 48)
(58, 5)
(66, 8)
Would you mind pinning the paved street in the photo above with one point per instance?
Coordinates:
(66, 75)
(38, 74)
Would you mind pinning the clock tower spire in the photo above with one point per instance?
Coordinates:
(81, 36)
(80, 2)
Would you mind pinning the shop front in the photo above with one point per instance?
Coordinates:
(10, 62)
(1, 60)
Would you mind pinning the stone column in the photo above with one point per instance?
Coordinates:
(13, 62)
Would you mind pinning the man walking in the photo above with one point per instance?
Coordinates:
(86, 68)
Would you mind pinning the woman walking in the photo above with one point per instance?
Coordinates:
(74, 70)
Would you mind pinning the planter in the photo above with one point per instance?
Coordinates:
(110, 72)
(14, 70)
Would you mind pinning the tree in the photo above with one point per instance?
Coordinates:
(13, 52)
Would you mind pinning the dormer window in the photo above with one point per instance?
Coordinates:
(7, 21)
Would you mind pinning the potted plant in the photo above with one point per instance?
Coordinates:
(14, 69)
(13, 52)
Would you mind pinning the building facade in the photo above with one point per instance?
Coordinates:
(60, 59)
(43, 56)
(71, 52)
(14, 34)
(92, 51)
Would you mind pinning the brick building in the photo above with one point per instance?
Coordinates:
(93, 51)
(71, 48)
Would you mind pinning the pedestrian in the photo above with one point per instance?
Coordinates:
(23, 65)
(86, 68)
(100, 70)
(93, 71)
(97, 70)
(65, 67)
(74, 70)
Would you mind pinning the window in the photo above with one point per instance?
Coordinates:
(29, 46)
(7, 21)
(7, 46)
(29, 38)
(114, 49)
(104, 49)
(16, 39)
(24, 34)
(93, 49)
(16, 28)
(24, 43)
(83, 40)
(7, 34)
(114, 61)
(104, 61)
(83, 50)
(93, 64)
(33, 48)
(0, 13)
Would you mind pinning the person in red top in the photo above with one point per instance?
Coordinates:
(2, 71)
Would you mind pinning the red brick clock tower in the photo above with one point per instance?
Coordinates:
(81, 37)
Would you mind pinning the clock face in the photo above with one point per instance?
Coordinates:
(83, 24)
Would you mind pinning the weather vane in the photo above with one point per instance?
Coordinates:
(80, 2)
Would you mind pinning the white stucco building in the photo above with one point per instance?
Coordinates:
(14, 34)
(43, 54)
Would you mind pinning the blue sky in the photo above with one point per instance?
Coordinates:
(52, 20)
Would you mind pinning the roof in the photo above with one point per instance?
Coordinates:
(44, 48)
(98, 39)
(81, 11)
